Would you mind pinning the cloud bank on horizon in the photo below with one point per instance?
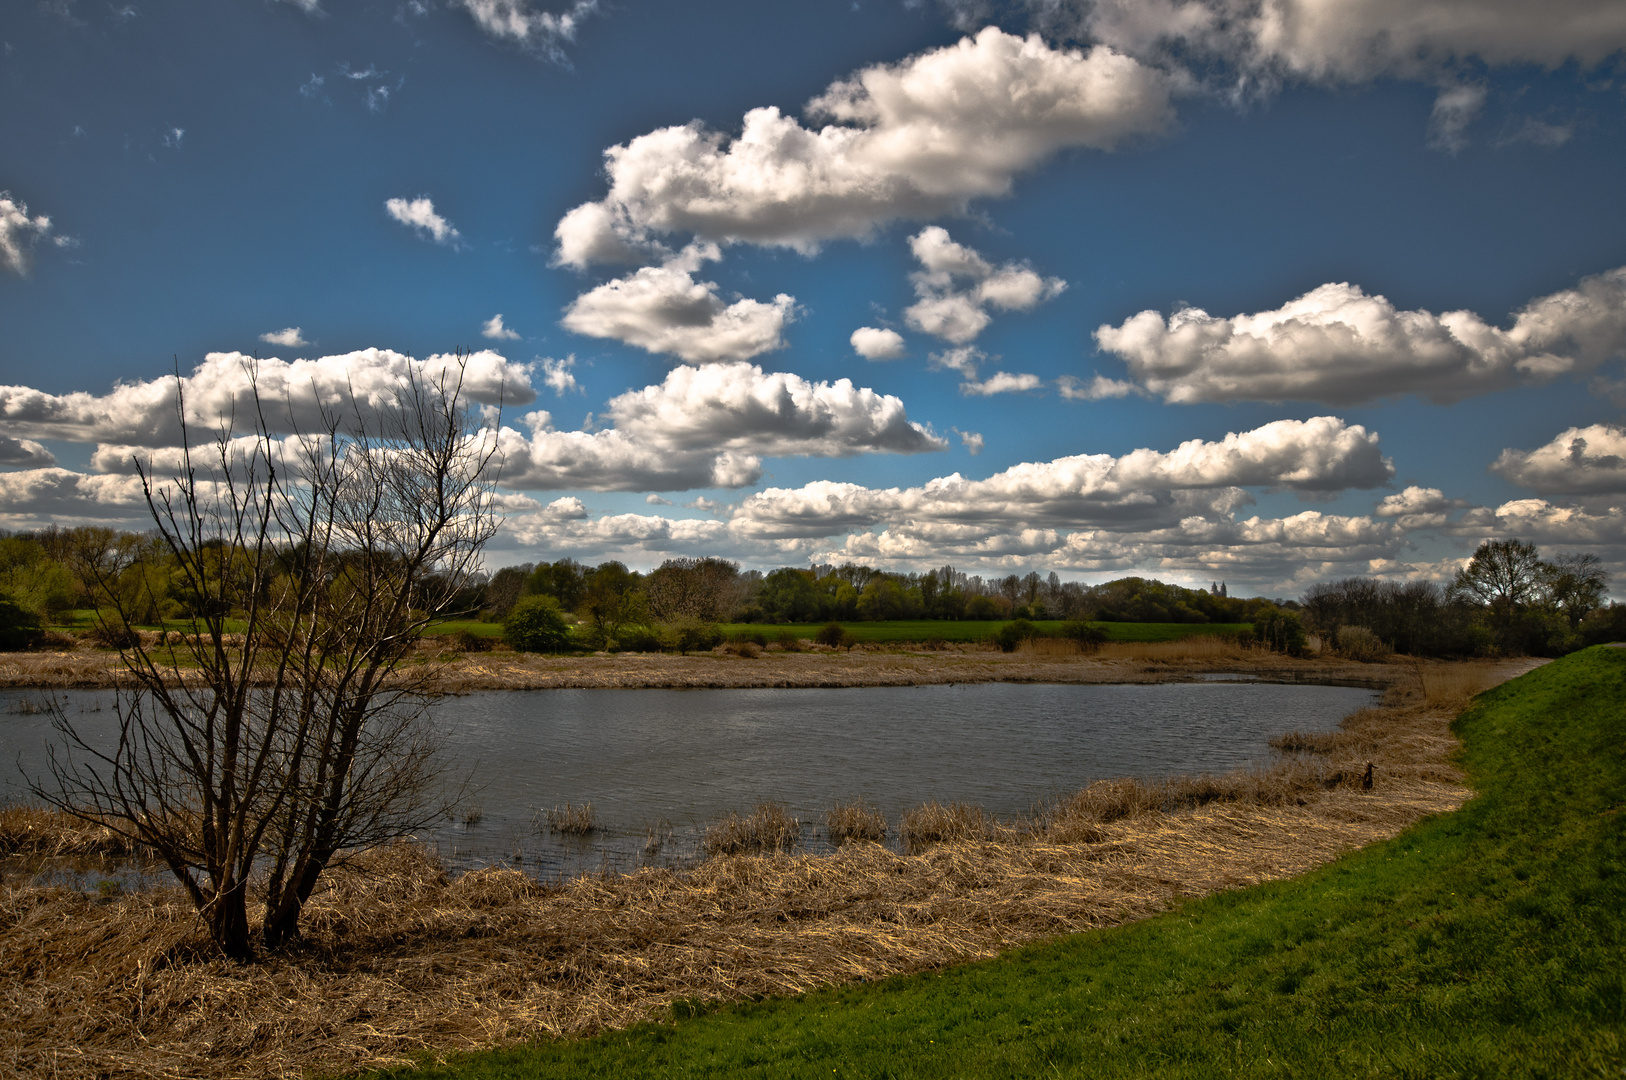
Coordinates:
(727, 364)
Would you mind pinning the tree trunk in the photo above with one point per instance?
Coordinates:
(228, 921)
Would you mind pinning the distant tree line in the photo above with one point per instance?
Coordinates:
(1506, 601)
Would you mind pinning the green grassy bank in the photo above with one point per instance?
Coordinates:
(1488, 942)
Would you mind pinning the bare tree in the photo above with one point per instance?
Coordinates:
(1575, 584)
(283, 730)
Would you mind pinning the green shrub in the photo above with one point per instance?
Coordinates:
(19, 627)
(834, 635)
(1014, 633)
(1280, 631)
(1090, 638)
(693, 635)
(535, 624)
(639, 639)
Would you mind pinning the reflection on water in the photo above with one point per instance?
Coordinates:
(658, 765)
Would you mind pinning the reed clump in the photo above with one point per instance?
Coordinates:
(949, 823)
(1453, 685)
(37, 831)
(855, 822)
(571, 819)
(767, 828)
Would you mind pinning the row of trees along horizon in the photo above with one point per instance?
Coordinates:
(1507, 600)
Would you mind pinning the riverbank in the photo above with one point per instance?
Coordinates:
(402, 959)
(1057, 662)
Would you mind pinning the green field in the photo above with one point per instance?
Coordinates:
(979, 630)
(1487, 942)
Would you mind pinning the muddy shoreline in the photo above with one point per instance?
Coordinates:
(466, 673)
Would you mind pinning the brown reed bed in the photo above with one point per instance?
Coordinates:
(571, 819)
(400, 958)
(767, 828)
(40, 832)
(855, 822)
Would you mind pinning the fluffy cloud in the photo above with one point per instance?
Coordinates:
(956, 286)
(419, 214)
(909, 140)
(1142, 489)
(874, 343)
(1419, 508)
(1354, 40)
(1099, 388)
(558, 376)
(1001, 382)
(665, 310)
(710, 426)
(294, 393)
(32, 497)
(25, 453)
(1539, 521)
(1335, 344)
(516, 21)
(1579, 461)
(18, 232)
(289, 338)
(493, 328)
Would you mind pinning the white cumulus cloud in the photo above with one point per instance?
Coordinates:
(1001, 382)
(419, 214)
(1579, 461)
(289, 338)
(955, 287)
(663, 309)
(494, 328)
(1336, 344)
(221, 387)
(710, 426)
(24, 453)
(18, 232)
(520, 22)
(914, 139)
(876, 343)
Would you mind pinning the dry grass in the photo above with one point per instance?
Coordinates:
(950, 823)
(571, 819)
(1451, 685)
(36, 831)
(856, 821)
(400, 957)
(768, 827)
(1198, 647)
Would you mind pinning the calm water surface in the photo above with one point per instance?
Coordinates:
(667, 762)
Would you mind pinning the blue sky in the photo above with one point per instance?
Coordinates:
(1247, 289)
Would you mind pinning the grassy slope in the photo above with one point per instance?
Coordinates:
(1482, 943)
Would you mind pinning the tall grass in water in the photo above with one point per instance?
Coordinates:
(768, 827)
(34, 830)
(855, 821)
(572, 819)
(947, 823)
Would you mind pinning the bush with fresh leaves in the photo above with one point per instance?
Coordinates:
(535, 624)
(1280, 631)
(1014, 633)
(638, 639)
(834, 635)
(19, 627)
(693, 635)
(1089, 638)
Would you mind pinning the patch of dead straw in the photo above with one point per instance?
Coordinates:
(401, 958)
